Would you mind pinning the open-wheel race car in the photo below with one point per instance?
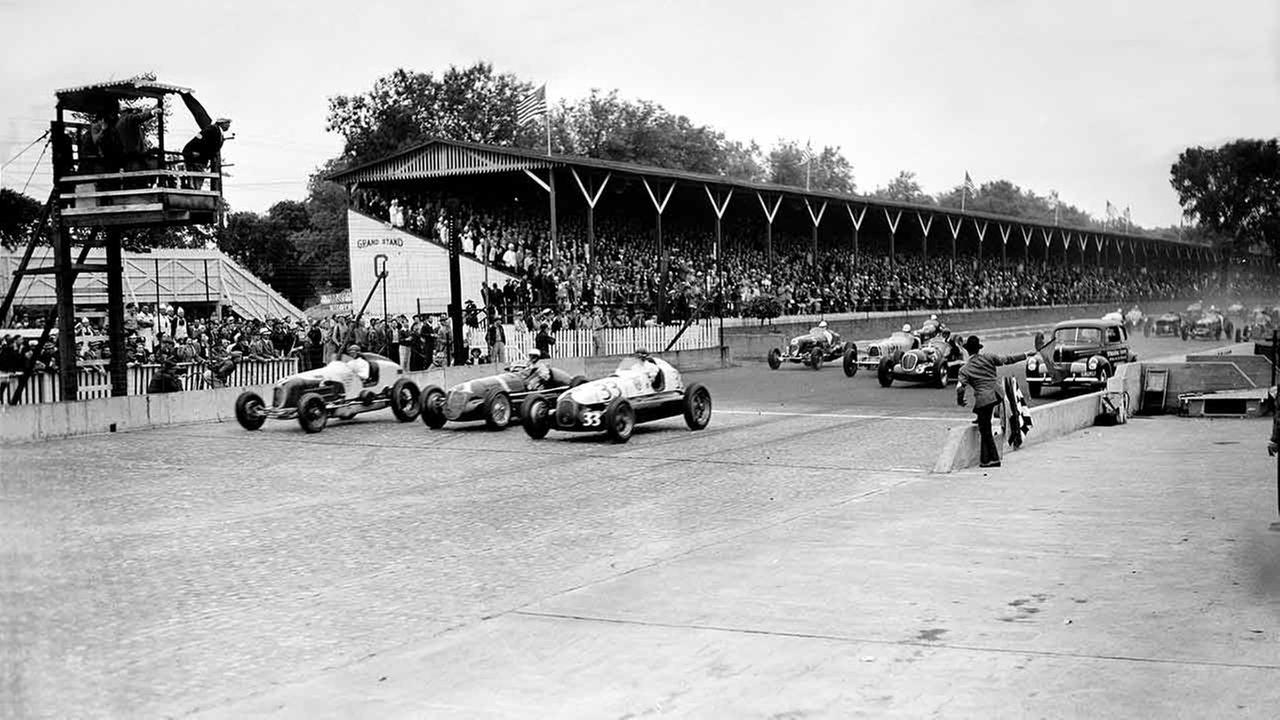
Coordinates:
(892, 346)
(1209, 326)
(935, 362)
(1169, 324)
(495, 399)
(641, 390)
(810, 351)
(333, 391)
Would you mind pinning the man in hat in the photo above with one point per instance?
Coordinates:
(204, 148)
(979, 373)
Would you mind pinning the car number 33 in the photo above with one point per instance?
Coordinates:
(591, 418)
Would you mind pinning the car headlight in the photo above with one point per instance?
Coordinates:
(1093, 363)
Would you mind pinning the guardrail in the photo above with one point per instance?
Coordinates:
(96, 383)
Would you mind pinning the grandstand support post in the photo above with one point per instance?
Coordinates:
(66, 308)
(857, 223)
(551, 192)
(1004, 243)
(817, 220)
(924, 239)
(592, 197)
(982, 235)
(769, 215)
(719, 208)
(955, 233)
(893, 234)
(659, 208)
(1026, 243)
(455, 288)
(117, 364)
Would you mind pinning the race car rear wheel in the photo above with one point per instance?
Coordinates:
(815, 358)
(249, 411)
(775, 359)
(619, 420)
(535, 416)
(431, 405)
(497, 411)
(697, 406)
(312, 413)
(404, 400)
(851, 361)
(884, 372)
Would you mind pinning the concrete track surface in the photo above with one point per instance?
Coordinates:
(793, 560)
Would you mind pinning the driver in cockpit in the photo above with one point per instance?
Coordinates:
(824, 336)
(536, 374)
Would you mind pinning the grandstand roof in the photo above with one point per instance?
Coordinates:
(440, 157)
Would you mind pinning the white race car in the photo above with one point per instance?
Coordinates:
(642, 389)
(314, 396)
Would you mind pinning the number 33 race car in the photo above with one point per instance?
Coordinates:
(495, 399)
(335, 390)
(642, 389)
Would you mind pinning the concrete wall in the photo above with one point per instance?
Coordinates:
(962, 447)
(45, 421)
(1232, 367)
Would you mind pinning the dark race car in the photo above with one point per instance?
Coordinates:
(808, 351)
(1169, 324)
(642, 389)
(494, 399)
(936, 362)
(1209, 326)
(314, 396)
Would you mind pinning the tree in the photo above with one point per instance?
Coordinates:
(323, 244)
(828, 170)
(18, 216)
(264, 246)
(1002, 197)
(1233, 190)
(904, 188)
(472, 104)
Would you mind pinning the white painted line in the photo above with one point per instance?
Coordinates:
(840, 416)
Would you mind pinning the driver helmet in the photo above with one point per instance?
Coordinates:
(353, 350)
(534, 354)
(933, 317)
(822, 324)
(906, 328)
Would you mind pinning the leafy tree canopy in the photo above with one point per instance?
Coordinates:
(1233, 190)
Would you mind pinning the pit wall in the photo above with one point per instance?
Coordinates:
(47, 421)
(1233, 367)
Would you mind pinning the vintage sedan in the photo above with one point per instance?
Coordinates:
(897, 343)
(314, 396)
(1081, 353)
(643, 389)
(494, 399)
(806, 350)
(936, 362)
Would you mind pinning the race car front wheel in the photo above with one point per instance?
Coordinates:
(404, 400)
(535, 416)
(619, 420)
(884, 372)
(249, 411)
(497, 412)
(431, 405)
(815, 358)
(775, 359)
(697, 406)
(312, 413)
(851, 361)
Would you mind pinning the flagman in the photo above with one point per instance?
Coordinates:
(979, 374)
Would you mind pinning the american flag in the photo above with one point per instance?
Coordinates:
(806, 155)
(533, 106)
(968, 184)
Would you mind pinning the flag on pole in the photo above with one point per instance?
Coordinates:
(533, 106)
(968, 184)
(806, 155)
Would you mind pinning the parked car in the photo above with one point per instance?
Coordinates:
(1084, 354)
(495, 399)
(936, 362)
(314, 396)
(642, 389)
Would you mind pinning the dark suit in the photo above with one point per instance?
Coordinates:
(979, 372)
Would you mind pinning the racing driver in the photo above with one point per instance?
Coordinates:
(824, 336)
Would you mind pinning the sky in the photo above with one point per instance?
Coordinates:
(1093, 99)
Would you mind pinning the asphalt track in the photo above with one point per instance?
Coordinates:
(165, 572)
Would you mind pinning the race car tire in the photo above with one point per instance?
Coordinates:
(1033, 389)
(851, 361)
(941, 380)
(1146, 330)
(1184, 334)
(431, 405)
(497, 411)
(697, 406)
(775, 359)
(404, 400)
(619, 420)
(815, 358)
(312, 413)
(248, 411)
(884, 372)
(577, 380)
(535, 416)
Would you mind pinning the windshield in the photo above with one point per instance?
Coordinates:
(1077, 336)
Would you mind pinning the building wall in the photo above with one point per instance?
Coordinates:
(418, 270)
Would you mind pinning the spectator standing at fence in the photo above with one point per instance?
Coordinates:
(165, 380)
(427, 341)
(180, 329)
(444, 339)
(496, 338)
(544, 340)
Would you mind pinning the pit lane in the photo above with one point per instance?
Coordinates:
(165, 571)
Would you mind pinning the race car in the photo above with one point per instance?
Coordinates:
(314, 396)
(642, 389)
(806, 349)
(493, 399)
(1209, 326)
(936, 362)
(897, 343)
(930, 328)
(1169, 323)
